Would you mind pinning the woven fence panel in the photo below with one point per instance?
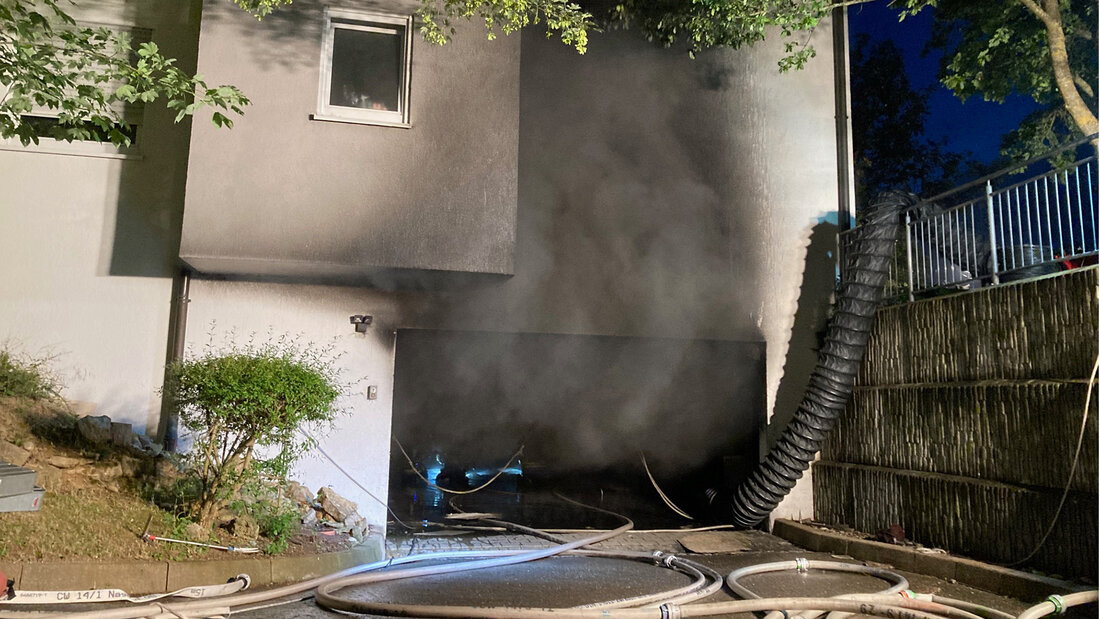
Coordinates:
(1022, 433)
(985, 520)
(1044, 328)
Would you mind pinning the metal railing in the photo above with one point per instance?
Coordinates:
(1041, 225)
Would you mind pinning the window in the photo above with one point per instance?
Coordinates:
(365, 68)
(97, 143)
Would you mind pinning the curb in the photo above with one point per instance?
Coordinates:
(993, 578)
(142, 577)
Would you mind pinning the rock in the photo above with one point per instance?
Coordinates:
(310, 517)
(299, 494)
(65, 462)
(95, 430)
(335, 505)
(29, 444)
(195, 532)
(145, 445)
(167, 470)
(49, 477)
(13, 454)
(358, 533)
(244, 526)
(74, 479)
(121, 433)
(132, 467)
(109, 473)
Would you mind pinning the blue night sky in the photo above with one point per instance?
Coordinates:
(974, 125)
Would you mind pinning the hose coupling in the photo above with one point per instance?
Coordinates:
(664, 558)
(671, 611)
(802, 565)
(1058, 603)
(913, 595)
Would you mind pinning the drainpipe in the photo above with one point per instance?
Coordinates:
(842, 84)
(177, 342)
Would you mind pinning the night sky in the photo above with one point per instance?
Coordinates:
(974, 125)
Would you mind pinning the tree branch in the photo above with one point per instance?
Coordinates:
(1078, 110)
(1037, 11)
(1083, 85)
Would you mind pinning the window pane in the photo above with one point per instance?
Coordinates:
(366, 68)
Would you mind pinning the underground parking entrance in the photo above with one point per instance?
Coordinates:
(659, 430)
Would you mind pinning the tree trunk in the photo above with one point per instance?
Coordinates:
(1063, 76)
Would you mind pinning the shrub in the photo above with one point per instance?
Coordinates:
(277, 522)
(243, 406)
(26, 377)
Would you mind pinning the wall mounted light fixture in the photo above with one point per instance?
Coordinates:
(361, 322)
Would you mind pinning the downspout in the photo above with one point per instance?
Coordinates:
(177, 343)
(842, 84)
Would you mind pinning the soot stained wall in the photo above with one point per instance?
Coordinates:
(281, 194)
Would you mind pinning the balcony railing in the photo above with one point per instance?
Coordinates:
(1024, 229)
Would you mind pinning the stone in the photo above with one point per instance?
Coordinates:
(310, 517)
(49, 477)
(66, 462)
(167, 470)
(145, 445)
(299, 494)
(121, 433)
(358, 533)
(109, 473)
(336, 506)
(132, 467)
(13, 454)
(244, 526)
(96, 430)
(29, 444)
(195, 532)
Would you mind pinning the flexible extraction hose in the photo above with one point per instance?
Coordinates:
(865, 271)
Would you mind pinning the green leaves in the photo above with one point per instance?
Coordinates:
(568, 20)
(701, 24)
(81, 76)
(243, 397)
(995, 50)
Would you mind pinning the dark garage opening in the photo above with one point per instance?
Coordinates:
(584, 408)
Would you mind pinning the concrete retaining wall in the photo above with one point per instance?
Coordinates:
(964, 426)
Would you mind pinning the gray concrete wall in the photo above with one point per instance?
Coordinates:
(964, 426)
(287, 195)
(89, 240)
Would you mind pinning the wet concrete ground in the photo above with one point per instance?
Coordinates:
(573, 581)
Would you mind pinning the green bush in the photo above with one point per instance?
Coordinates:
(277, 522)
(243, 407)
(26, 377)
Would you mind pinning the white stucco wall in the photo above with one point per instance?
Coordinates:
(360, 440)
(88, 244)
(106, 334)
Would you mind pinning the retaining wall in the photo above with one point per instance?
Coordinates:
(964, 424)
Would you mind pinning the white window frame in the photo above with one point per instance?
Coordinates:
(363, 22)
(133, 113)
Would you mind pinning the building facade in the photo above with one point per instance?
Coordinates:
(499, 187)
